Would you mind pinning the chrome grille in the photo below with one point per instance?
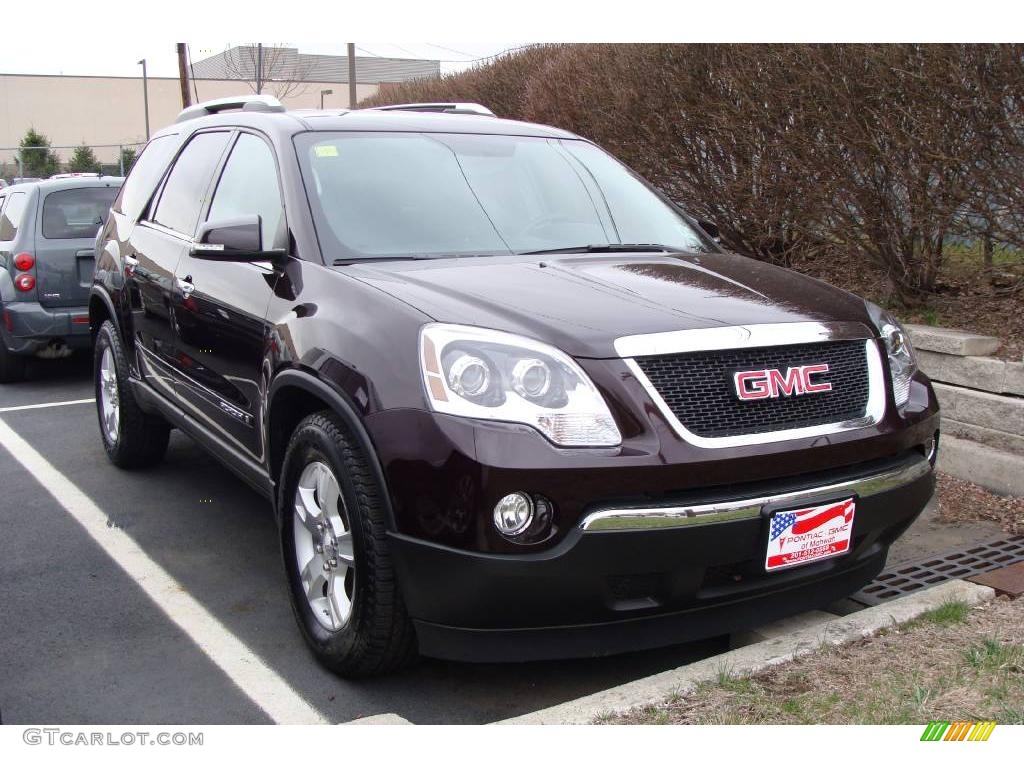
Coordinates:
(698, 388)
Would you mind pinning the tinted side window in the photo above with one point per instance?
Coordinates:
(145, 174)
(76, 213)
(249, 185)
(182, 197)
(14, 211)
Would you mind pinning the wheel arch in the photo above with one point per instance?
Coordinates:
(101, 307)
(293, 395)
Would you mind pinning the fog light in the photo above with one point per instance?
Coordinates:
(513, 514)
(931, 449)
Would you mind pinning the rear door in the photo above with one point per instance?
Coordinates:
(67, 223)
(221, 316)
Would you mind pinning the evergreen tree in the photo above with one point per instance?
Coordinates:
(37, 159)
(83, 160)
(128, 156)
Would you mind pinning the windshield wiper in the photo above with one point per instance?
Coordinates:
(605, 248)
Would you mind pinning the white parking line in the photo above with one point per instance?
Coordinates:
(46, 405)
(259, 682)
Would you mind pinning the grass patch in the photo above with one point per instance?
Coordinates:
(946, 615)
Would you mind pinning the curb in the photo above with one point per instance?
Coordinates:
(837, 630)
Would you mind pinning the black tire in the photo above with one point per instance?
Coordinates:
(378, 636)
(141, 439)
(12, 366)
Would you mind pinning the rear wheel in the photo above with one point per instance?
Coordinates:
(12, 366)
(131, 437)
(342, 582)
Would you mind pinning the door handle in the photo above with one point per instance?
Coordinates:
(185, 286)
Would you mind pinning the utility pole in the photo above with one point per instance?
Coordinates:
(351, 75)
(186, 95)
(145, 96)
(259, 68)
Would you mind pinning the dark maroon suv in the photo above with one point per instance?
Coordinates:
(507, 401)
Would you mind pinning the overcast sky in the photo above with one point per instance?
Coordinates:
(85, 57)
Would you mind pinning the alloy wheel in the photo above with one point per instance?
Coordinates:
(110, 402)
(323, 546)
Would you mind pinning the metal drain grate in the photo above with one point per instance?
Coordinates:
(910, 577)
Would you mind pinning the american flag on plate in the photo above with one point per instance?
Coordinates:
(800, 536)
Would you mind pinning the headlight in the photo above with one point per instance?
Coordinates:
(493, 375)
(902, 363)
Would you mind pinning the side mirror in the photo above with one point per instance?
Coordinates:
(237, 239)
(710, 228)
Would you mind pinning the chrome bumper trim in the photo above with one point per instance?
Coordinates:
(646, 518)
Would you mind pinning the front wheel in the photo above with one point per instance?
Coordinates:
(131, 437)
(333, 535)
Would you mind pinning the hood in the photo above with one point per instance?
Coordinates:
(582, 303)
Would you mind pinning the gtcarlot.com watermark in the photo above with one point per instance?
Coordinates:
(70, 737)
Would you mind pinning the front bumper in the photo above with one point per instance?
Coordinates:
(28, 326)
(600, 592)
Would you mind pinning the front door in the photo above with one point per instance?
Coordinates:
(221, 307)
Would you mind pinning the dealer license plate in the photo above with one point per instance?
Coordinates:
(799, 536)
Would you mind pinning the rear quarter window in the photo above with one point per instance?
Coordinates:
(12, 215)
(71, 214)
(145, 175)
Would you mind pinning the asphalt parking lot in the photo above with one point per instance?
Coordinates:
(91, 637)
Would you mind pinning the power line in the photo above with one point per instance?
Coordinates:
(450, 50)
(371, 53)
(396, 45)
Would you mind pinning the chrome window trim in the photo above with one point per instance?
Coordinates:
(646, 518)
(750, 336)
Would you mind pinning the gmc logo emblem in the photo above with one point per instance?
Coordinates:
(771, 382)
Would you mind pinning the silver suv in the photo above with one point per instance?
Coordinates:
(47, 238)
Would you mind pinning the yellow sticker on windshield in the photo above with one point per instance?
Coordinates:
(326, 150)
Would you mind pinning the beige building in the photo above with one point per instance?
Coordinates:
(72, 110)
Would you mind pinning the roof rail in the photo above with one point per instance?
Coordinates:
(250, 103)
(455, 107)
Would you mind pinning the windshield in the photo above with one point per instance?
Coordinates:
(379, 195)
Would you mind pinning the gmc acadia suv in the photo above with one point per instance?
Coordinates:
(507, 401)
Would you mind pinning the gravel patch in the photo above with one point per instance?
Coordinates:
(963, 501)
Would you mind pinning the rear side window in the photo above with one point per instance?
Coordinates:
(76, 213)
(189, 179)
(13, 213)
(145, 174)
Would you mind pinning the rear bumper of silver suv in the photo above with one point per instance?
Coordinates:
(28, 327)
